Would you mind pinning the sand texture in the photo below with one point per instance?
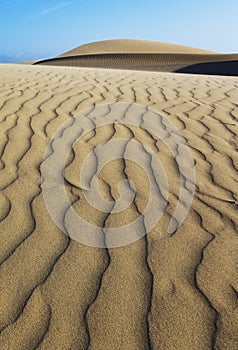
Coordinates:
(165, 291)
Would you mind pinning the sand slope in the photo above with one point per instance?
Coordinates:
(162, 292)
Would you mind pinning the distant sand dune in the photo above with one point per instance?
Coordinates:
(162, 292)
(145, 55)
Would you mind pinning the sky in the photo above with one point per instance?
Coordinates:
(33, 29)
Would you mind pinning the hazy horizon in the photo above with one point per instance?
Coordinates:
(36, 30)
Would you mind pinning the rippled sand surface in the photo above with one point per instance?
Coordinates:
(164, 291)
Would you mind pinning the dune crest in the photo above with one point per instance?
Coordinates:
(132, 46)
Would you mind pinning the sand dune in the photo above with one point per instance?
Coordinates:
(144, 55)
(162, 292)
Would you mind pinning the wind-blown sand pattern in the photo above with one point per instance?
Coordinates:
(162, 292)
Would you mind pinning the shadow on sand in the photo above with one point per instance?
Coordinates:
(212, 68)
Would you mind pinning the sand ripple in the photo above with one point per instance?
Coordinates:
(162, 292)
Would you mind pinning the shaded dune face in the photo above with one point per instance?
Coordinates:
(146, 55)
(163, 291)
(212, 68)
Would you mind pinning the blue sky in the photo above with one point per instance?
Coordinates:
(39, 29)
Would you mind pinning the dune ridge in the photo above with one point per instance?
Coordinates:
(148, 62)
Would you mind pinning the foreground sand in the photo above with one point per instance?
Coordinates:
(161, 292)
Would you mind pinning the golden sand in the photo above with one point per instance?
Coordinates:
(165, 292)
